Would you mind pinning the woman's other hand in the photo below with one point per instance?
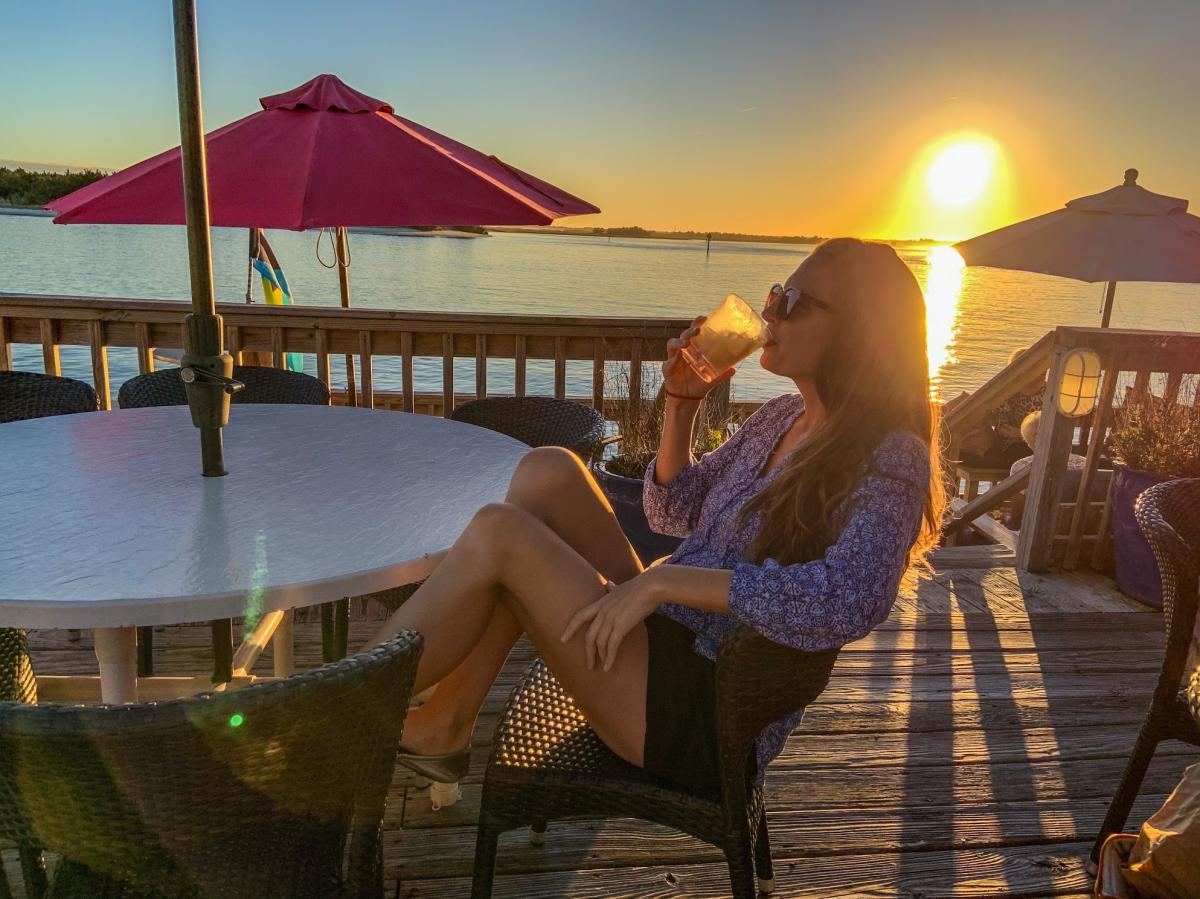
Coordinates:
(679, 378)
(610, 618)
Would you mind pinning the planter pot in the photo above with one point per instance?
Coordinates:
(1137, 569)
(625, 494)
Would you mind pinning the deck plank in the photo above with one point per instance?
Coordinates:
(966, 747)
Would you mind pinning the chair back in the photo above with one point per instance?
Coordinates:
(263, 385)
(759, 682)
(277, 789)
(538, 421)
(26, 394)
(1169, 516)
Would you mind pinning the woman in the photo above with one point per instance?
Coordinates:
(800, 526)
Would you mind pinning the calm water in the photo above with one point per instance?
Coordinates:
(976, 316)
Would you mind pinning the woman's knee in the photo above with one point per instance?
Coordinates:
(548, 469)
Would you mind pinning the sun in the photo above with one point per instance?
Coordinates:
(959, 173)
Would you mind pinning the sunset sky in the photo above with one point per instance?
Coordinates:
(778, 118)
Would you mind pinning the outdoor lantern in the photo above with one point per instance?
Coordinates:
(1080, 383)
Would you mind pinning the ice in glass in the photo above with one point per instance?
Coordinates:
(728, 336)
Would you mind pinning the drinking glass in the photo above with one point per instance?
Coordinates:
(726, 337)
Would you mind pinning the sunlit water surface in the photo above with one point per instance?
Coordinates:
(976, 316)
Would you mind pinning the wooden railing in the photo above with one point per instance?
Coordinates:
(145, 325)
(1056, 527)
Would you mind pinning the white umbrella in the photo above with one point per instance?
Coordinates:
(1124, 234)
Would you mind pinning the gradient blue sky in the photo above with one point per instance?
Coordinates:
(761, 117)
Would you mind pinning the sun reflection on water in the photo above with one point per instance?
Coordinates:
(943, 284)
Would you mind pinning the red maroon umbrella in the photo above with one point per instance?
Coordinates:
(325, 155)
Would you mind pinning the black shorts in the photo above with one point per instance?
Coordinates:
(681, 731)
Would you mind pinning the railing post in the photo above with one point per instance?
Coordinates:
(1036, 540)
(6, 362)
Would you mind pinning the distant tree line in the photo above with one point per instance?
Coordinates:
(634, 231)
(19, 187)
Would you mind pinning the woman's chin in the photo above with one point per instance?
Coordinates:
(767, 360)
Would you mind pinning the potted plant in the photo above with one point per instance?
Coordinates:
(1152, 440)
(620, 472)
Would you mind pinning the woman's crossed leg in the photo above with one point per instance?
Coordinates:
(526, 565)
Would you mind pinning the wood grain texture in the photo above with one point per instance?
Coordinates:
(966, 747)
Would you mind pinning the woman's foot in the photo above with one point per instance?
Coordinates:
(447, 768)
(433, 747)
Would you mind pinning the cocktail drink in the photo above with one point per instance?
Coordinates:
(726, 337)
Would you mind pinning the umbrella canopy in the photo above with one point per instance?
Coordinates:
(326, 155)
(1124, 234)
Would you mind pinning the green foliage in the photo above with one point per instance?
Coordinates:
(19, 187)
(1159, 437)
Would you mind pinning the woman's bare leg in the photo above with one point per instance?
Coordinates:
(507, 555)
(554, 486)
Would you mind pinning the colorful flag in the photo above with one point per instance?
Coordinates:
(275, 287)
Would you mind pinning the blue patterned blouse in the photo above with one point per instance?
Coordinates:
(815, 605)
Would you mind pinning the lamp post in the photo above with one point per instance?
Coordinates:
(206, 369)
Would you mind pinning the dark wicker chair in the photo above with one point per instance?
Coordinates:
(276, 790)
(263, 385)
(17, 684)
(547, 763)
(26, 394)
(538, 421)
(1169, 515)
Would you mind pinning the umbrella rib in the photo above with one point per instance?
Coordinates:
(516, 195)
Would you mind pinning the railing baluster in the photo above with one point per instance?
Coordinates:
(145, 354)
(50, 357)
(635, 370)
(406, 372)
(277, 347)
(6, 363)
(598, 374)
(560, 367)
(480, 366)
(99, 363)
(1174, 381)
(233, 343)
(447, 375)
(1141, 384)
(519, 366)
(321, 337)
(1079, 517)
(365, 350)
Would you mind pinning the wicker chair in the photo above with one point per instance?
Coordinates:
(538, 421)
(263, 385)
(1169, 515)
(547, 763)
(26, 394)
(277, 789)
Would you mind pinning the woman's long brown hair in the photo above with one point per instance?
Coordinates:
(873, 380)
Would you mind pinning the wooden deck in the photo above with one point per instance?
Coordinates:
(967, 747)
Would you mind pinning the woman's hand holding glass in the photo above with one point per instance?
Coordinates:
(679, 378)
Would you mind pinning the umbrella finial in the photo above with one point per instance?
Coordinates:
(1131, 176)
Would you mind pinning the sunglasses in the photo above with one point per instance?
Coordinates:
(782, 303)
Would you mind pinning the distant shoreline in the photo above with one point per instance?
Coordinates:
(36, 211)
(698, 236)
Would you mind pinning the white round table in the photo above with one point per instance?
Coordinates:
(107, 523)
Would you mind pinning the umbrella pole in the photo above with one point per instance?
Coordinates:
(206, 369)
(1108, 303)
(342, 252)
